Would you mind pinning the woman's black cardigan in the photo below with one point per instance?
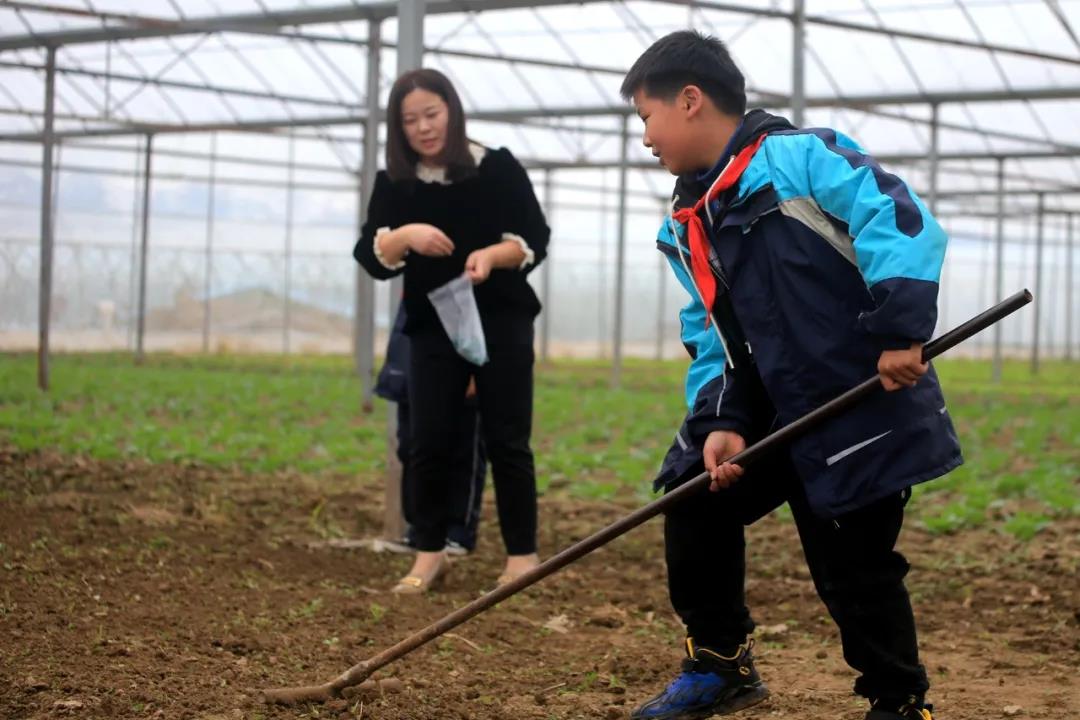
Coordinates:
(474, 212)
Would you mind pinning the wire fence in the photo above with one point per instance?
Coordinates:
(230, 270)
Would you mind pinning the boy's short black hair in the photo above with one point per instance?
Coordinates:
(686, 58)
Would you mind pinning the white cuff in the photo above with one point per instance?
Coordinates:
(530, 256)
(378, 251)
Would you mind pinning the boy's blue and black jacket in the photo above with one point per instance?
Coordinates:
(393, 381)
(823, 261)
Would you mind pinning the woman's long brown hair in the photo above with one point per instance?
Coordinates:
(401, 159)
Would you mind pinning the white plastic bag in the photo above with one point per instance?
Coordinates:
(455, 304)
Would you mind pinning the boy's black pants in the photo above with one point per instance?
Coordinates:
(856, 571)
(852, 559)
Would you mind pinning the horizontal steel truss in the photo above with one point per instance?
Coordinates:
(132, 27)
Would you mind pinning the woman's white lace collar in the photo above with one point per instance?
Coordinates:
(427, 174)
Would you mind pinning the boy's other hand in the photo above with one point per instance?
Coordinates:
(719, 446)
(901, 368)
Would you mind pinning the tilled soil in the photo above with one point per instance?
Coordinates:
(132, 590)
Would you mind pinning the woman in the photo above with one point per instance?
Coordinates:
(444, 206)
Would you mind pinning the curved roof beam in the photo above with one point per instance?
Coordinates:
(137, 27)
(141, 27)
(826, 21)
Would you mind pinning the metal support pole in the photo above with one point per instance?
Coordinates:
(1050, 324)
(57, 165)
(45, 284)
(410, 55)
(984, 273)
(1040, 222)
(934, 158)
(620, 255)
(1069, 288)
(798, 63)
(545, 319)
(209, 259)
(364, 314)
(80, 275)
(943, 292)
(999, 264)
(140, 329)
(601, 280)
(134, 260)
(410, 49)
(290, 175)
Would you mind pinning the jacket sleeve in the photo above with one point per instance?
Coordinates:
(713, 396)
(899, 247)
(393, 380)
(519, 212)
(380, 214)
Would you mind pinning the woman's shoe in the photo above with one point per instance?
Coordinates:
(418, 585)
(509, 576)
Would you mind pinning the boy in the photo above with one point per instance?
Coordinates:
(466, 474)
(809, 267)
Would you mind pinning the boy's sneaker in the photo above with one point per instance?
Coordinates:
(910, 709)
(709, 684)
(404, 546)
(456, 549)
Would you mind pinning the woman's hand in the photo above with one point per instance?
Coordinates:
(427, 240)
(506, 255)
(478, 265)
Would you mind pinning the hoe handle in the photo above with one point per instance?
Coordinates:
(771, 443)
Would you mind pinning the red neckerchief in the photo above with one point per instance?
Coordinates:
(695, 228)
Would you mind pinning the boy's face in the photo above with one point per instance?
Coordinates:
(669, 130)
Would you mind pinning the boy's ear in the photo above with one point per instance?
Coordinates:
(690, 100)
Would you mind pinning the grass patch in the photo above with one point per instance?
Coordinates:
(268, 414)
(1020, 445)
(300, 414)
